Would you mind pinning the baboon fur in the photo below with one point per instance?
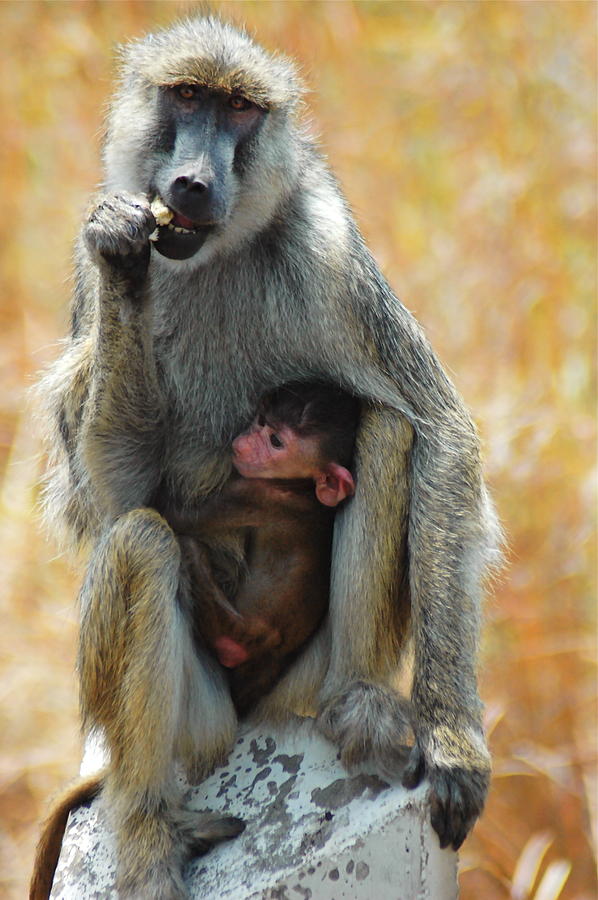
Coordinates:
(165, 363)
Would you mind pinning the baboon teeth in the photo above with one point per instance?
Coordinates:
(164, 216)
(179, 229)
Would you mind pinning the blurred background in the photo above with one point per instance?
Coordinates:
(464, 135)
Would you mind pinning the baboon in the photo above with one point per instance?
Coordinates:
(259, 278)
(293, 459)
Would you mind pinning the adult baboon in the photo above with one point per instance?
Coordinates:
(260, 277)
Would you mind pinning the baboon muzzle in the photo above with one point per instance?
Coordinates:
(177, 245)
(194, 185)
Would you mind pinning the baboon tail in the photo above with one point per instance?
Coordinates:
(49, 845)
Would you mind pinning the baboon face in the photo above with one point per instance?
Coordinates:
(205, 136)
(204, 120)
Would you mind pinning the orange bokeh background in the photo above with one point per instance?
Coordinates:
(464, 135)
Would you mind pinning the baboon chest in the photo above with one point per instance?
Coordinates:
(214, 363)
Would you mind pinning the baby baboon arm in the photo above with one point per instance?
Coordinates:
(245, 503)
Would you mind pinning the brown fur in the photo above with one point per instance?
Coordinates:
(285, 594)
(48, 848)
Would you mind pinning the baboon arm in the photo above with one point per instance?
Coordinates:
(451, 538)
(49, 845)
(122, 424)
(449, 527)
(449, 532)
(105, 404)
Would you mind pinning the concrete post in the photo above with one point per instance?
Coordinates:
(313, 831)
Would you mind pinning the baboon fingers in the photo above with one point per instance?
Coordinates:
(448, 814)
(119, 226)
(456, 800)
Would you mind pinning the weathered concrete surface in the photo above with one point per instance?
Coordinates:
(313, 831)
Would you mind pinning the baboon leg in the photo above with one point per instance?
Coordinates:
(155, 697)
(358, 711)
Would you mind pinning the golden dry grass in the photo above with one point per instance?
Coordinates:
(464, 135)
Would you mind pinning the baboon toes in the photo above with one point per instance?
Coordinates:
(160, 887)
(202, 831)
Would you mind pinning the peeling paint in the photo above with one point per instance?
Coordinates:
(313, 832)
(227, 785)
(362, 870)
(290, 764)
(262, 755)
(344, 790)
(261, 776)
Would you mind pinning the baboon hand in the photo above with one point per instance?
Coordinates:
(457, 792)
(118, 229)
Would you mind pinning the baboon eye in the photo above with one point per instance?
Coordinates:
(239, 103)
(186, 91)
(276, 442)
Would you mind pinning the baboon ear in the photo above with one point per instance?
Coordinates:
(334, 485)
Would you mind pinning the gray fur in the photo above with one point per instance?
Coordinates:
(163, 369)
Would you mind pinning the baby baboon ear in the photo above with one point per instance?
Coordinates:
(334, 485)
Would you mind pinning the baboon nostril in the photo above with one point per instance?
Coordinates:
(195, 185)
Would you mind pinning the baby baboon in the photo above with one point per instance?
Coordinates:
(259, 278)
(294, 461)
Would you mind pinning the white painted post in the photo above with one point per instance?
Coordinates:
(313, 831)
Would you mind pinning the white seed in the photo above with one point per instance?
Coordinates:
(160, 212)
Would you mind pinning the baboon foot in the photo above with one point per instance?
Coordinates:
(368, 722)
(161, 882)
(200, 831)
(155, 850)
